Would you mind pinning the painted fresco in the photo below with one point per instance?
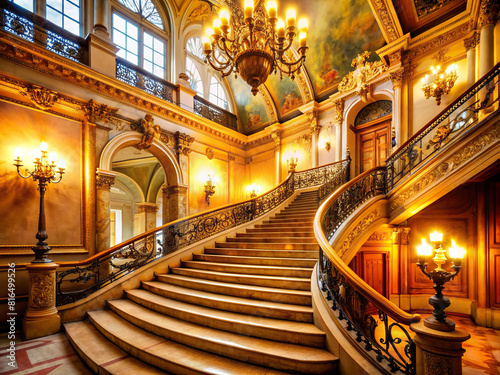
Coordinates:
(338, 32)
(251, 109)
(286, 93)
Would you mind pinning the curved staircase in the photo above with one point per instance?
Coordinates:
(242, 307)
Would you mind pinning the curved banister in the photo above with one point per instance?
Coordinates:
(357, 282)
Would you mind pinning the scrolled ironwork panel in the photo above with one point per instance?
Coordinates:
(218, 115)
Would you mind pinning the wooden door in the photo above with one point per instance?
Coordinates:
(373, 144)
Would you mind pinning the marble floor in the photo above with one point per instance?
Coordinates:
(54, 354)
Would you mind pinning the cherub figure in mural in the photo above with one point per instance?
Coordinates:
(291, 102)
(328, 74)
(253, 120)
(150, 132)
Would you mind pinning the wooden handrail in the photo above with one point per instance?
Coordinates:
(357, 282)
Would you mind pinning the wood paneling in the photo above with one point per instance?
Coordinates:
(373, 144)
(493, 205)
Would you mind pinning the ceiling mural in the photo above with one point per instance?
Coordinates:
(339, 31)
(285, 93)
(251, 110)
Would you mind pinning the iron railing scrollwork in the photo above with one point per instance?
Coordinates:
(140, 78)
(461, 115)
(323, 175)
(33, 28)
(214, 113)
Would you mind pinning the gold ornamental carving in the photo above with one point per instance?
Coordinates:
(95, 111)
(397, 77)
(313, 122)
(276, 136)
(209, 153)
(147, 208)
(380, 236)
(358, 230)
(104, 182)
(176, 190)
(437, 365)
(385, 17)
(440, 56)
(42, 290)
(488, 13)
(466, 153)
(338, 106)
(364, 71)
(40, 96)
(150, 132)
(183, 141)
(472, 42)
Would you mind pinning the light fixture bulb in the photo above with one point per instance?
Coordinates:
(43, 146)
(18, 153)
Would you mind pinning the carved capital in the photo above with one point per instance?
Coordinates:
(396, 57)
(276, 136)
(210, 153)
(176, 190)
(488, 13)
(40, 96)
(147, 208)
(95, 111)
(338, 105)
(183, 143)
(401, 235)
(472, 42)
(397, 77)
(104, 181)
(313, 122)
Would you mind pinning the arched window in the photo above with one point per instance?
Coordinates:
(193, 46)
(137, 31)
(217, 94)
(64, 13)
(194, 76)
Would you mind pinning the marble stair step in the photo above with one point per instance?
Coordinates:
(260, 352)
(301, 213)
(242, 324)
(287, 240)
(249, 269)
(274, 234)
(168, 355)
(270, 246)
(304, 254)
(295, 226)
(299, 313)
(290, 220)
(101, 355)
(277, 231)
(294, 297)
(268, 261)
(245, 279)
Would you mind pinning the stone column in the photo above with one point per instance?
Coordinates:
(276, 136)
(397, 82)
(339, 117)
(183, 147)
(41, 317)
(400, 247)
(470, 46)
(438, 352)
(164, 194)
(104, 181)
(230, 172)
(177, 201)
(315, 129)
(101, 18)
(488, 16)
(147, 212)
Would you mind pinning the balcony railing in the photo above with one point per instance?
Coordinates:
(214, 113)
(33, 28)
(140, 78)
(77, 280)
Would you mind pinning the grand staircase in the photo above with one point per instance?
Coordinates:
(242, 307)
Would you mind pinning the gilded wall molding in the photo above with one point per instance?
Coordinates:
(209, 153)
(40, 96)
(472, 41)
(313, 124)
(469, 151)
(95, 111)
(338, 106)
(183, 143)
(389, 29)
(276, 136)
(360, 227)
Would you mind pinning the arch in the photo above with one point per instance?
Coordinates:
(157, 181)
(165, 156)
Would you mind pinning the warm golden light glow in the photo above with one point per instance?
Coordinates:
(302, 39)
(61, 164)
(424, 250)
(248, 8)
(455, 251)
(438, 84)
(43, 146)
(303, 25)
(53, 157)
(436, 236)
(224, 17)
(206, 43)
(281, 28)
(217, 24)
(290, 17)
(18, 153)
(272, 9)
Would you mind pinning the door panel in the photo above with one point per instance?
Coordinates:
(373, 145)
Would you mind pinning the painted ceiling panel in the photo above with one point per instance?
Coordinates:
(285, 93)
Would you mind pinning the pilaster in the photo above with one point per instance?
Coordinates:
(104, 181)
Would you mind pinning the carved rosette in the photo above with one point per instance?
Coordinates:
(276, 136)
(42, 290)
(183, 142)
(338, 105)
(472, 42)
(209, 153)
(397, 77)
(488, 13)
(40, 96)
(95, 111)
(104, 182)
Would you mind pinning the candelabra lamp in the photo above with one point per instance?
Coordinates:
(439, 84)
(253, 190)
(292, 162)
(45, 171)
(439, 277)
(209, 189)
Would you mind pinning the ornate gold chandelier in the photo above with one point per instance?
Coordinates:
(254, 43)
(439, 84)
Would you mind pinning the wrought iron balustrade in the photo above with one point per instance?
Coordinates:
(461, 115)
(323, 175)
(384, 335)
(33, 28)
(140, 78)
(214, 113)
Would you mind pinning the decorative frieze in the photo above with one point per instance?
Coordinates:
(42, 290)
(313, 118)
(40, 96)
(380, 6)
(95, 111)
(360, 227)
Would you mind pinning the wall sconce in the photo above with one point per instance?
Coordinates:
(292, 162)
(253, 190)
(209, 189)
(439, 277)
(45, 173)
(438, 84)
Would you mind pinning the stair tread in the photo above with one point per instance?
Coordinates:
(250, 257)
(205, 337)
(99, 352)
(271, 277)
(249, 267)
(192, 361)
(231, 321)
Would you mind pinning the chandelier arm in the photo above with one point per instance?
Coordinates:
(223, 65)
(223, 74)
(292, 67)
(59, 180)
(222, 68)
(29, 174)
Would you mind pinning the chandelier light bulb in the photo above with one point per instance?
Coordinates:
(248, 8)
(18, 153)
(206, 43)
(224, 17)
(290, 18)
(217, 24)
(209, 32)
(272, 9)
(455, 251)
(303, 25)
(43, 146)
(424, 250)
(53, 157)
(37, 153)
(62, 164)
(281, 28)
(436, 236)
